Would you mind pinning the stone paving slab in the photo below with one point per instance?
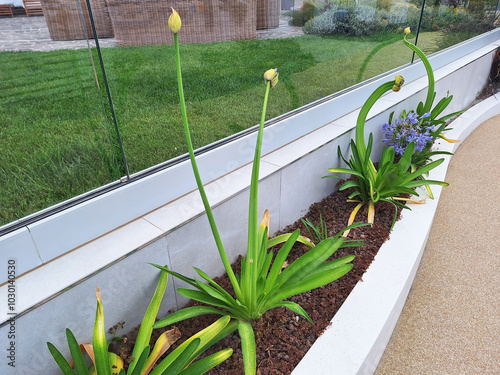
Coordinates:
(32, 34)
(283, 31)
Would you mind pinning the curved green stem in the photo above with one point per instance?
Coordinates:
(360, 124)
(220, 247)
(430, 74)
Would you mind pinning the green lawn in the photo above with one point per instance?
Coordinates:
(56, 133)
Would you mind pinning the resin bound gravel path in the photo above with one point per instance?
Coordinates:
(451, 321)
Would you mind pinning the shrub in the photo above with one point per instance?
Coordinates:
(434, 19)
(324, 24)
(391, 179)
(366, 13)
(304, 14)
(466, 28)
(362, 20)
(385, 4)
(399, 14)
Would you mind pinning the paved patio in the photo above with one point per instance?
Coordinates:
(32, 34)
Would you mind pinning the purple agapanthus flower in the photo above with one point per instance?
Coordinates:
(409, 129)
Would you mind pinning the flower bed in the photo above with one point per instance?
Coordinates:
(360, 331)
(355, 338)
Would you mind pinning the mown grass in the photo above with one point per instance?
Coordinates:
(56, 133)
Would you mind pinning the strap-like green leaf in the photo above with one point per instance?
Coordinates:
(188, 280)
(115, 363)
(206, 336)
(418, 183)
(326, 266)
(99, 340)
(76, 354)
(447, 117)
(279, 261)
(441, 106)
(139, 362)
(405, 161)
(186, 313)
(261, 282)
(304, 265)
(247, 347)
(300, 269)
(310, 283)
(60, 360)
(263, 238)
(296, 308)
(146, 328)
(432, 153)
(221, 332)
(352, 243)
(386, 159)
(182, 359)
(162, 344)
(227, 296)
(346, 171)
(214, 293)
(207, 363)
(205, 298)
(267, 264)
(356, 194)
(420, 171)
(420, 108)
(284, 237)
(350, 184)
(396, 190)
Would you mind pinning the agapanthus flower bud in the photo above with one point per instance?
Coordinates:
(174, 22)
(398, 82)
(271, 76)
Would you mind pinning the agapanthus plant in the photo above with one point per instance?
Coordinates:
(421, 126)
(263, 283)
(391, 179)
(180, 361)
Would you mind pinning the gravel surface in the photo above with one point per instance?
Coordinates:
(451, 321)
